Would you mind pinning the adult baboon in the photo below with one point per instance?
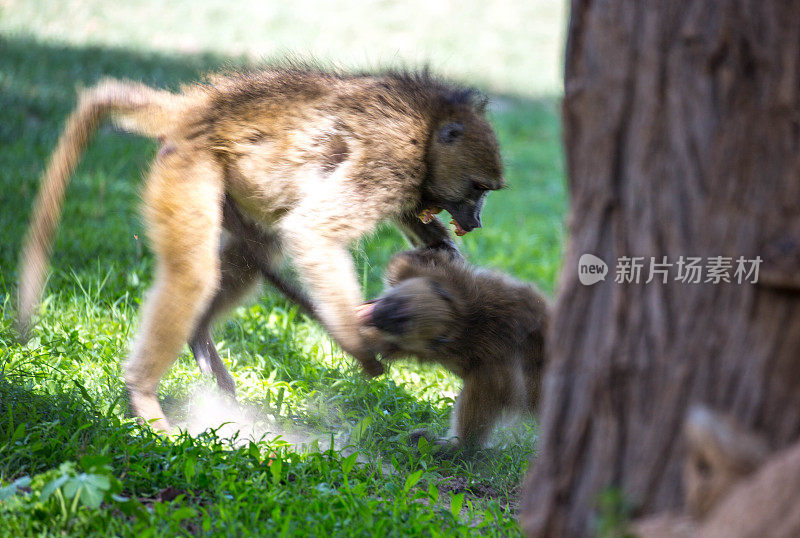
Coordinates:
(315, 159)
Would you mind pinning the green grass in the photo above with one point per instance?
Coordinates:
(86, 469)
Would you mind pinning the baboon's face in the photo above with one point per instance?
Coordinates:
(417, 316)
(464, 161)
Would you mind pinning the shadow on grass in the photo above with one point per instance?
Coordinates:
(39, 431)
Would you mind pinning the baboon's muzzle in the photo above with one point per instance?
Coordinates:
(466, 214)
(391, 315)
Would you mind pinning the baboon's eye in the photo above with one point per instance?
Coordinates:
(450, 132)
(440, 341)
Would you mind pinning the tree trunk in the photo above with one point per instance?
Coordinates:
(682, 133)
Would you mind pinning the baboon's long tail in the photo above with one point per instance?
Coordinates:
(137, 108)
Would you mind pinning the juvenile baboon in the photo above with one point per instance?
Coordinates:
(314, 159)
(484, 326)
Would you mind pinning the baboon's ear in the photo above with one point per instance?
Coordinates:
(450, 132)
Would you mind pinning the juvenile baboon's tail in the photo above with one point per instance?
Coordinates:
(136, 108)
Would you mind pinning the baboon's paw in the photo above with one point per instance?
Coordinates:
(145, 406)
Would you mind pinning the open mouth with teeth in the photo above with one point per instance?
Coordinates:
(427, 215)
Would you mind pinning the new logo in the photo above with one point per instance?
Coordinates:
(591, 269)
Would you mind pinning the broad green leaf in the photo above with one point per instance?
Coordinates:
(188, 468)
(412, 479)
(98, 481)
(349, 462)
(254, 451)
(91, 497)
(275, 468)
(71, 487)
(19, 433)
(183, 512)
(95, 462)
(89, 487)
(456, 501)
(433, 493)
(11, 489)
(53, 485)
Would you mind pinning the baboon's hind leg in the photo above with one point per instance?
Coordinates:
(238, 277)
(183, 215)
(476, 409)
(262, 250)
(247, 252)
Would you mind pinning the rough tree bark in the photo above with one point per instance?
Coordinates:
(682, 132)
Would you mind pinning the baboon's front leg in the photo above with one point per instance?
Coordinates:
(474, 414)
(183, 201)
(318, 246)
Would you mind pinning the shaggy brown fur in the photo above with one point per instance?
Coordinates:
(484, 326)
(735, 485)
(314, 159)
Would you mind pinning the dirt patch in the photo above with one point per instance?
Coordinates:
(479, 490)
